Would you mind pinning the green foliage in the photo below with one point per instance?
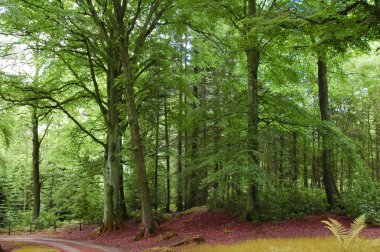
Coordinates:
(347, 238)
(198, 49)
(362, 200)
(291, 203)
(47, 219)
(275, 204)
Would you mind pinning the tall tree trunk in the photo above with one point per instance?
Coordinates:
(377, 137)
(192, 193)
(328, 176)
(179, 153)
(253, 118)
(305, 173)
(26, 178)
(341, 184)
(36, 166)
(314, 162)
(112, 171)
(202, 174)
(187, 173)
(294, 159)
(156, 160)
(137, 148)
(167, 155)
(281, 166)
(217, 136)
(370, 145)
(179, 201)
(123, 206)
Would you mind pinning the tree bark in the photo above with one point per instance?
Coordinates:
(294, 159)
(167, 155)
(123, 205)
(137, 147)
(156, 160)
(281, 166)
(192, 192)
(314, 162)
(36, 166)
(202, 174)
(370, 145)
(305, 170)
(377, 149)
(328, 176)
(253, 118)
(179, 153)
(112, 170)
(187, 173)
(217, 136)
(179, 202)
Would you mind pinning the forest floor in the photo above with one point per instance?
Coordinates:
(198, 226)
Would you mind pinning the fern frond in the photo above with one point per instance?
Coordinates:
(356, 227)
(347, 238)
(337, 229)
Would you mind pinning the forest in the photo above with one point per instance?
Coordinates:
(113, 110)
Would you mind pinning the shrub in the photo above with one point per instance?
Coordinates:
(280, 204)
(362, 200)
(291, 203)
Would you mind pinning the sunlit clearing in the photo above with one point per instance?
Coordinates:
(36, 249)
(325, 244)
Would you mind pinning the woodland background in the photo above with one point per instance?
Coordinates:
(128, 109)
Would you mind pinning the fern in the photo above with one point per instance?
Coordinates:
(347, 237)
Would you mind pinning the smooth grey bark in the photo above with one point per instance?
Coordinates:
(112, 170)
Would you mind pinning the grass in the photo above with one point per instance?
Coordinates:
(21, 246)
(37, 248)
(318, 244)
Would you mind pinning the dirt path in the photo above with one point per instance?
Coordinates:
(64, 245)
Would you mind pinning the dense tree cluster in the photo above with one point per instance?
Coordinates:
(118, 109)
